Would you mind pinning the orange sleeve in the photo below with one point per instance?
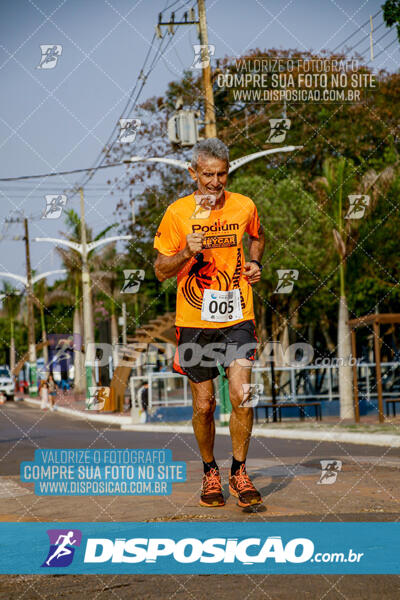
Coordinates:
(168, 237)
(253, 224)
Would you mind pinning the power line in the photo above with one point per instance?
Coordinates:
(377, 41)
(384, 49)
(59, 173)
(363, 39)
(354, 32)
(127, 109)
(142, 76)
(173, 4)
(99, 157)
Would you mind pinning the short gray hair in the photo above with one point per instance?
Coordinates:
(210, 147)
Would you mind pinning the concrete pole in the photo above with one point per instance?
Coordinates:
(86, 296)
(210, 122)
(124, 323)
(31, 322)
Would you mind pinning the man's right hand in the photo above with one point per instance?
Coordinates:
(194, 243)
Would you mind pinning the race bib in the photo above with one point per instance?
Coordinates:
(221, 306)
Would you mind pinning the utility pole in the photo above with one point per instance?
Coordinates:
(31, 321)
(124, 323)
(209, 109)
(86, 296)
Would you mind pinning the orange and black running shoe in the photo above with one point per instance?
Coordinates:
(211, 492)
(241, 487)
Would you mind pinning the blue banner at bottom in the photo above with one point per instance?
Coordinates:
(199, 548)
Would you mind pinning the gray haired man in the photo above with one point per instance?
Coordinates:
(199, 240)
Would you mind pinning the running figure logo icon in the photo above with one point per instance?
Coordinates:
(357, 205)
(202, 55)
(98, 396)
(287, 277)
(133, 279)
(330, 470)
(54, 206)
(128, 130)
(251, 394)
(50, 55)
(62, 547)
(279, 129)
(204, 205)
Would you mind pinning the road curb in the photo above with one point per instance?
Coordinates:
(366, 439)
(346, 437)
(86, 415)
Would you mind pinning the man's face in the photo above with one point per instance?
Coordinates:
(211, 175)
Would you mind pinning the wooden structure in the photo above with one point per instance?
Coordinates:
(156, 332)
(376, 320)
(25, 358)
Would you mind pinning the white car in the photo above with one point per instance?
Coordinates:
(6, 383)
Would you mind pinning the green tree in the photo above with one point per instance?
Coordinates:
(391, 14)
(11, 305)
(296, 231)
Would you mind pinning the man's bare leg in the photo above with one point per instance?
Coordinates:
(240, 425)
(203, 417)
(204, 430)
(241, 421)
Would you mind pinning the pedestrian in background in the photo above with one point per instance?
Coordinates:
(143, 397)
(44, 395)
(52, 387)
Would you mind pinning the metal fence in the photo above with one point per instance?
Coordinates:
(321, 382)
(311, 382)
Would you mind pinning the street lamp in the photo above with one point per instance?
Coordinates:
(35, 279)
(84, 248)
(28, 282)
(235, 164)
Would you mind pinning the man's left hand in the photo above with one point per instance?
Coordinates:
(252, 272)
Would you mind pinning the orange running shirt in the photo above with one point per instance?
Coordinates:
(220, 264)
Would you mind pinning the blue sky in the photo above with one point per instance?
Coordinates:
(59, 119)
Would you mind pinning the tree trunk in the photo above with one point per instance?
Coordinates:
(345, 369)
(12, 349)
(45, 349)
(325, 332)
(262, 334)
(114, 329)
(44, 337)
(114, 338)
(284, 376)
(79, 366)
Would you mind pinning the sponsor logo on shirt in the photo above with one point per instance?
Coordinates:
(217, 226)
(220, 241)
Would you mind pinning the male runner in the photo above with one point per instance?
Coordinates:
(203, 248)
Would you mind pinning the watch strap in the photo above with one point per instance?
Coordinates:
(259, 265)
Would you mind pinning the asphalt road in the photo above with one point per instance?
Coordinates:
(24, 428)
(285, 471)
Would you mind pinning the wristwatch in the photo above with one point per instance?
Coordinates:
(259, 265)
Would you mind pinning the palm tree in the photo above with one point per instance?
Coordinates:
(106, 281)
(40, 293)
(11, 302)
(338, 182)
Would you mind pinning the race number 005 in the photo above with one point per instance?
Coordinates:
(222, 308)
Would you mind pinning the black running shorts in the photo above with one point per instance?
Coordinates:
(200, 350)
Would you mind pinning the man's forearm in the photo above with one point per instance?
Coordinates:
(256, 247)
(169, 266)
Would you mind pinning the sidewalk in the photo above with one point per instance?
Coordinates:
(369, 432)
(74, 405)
